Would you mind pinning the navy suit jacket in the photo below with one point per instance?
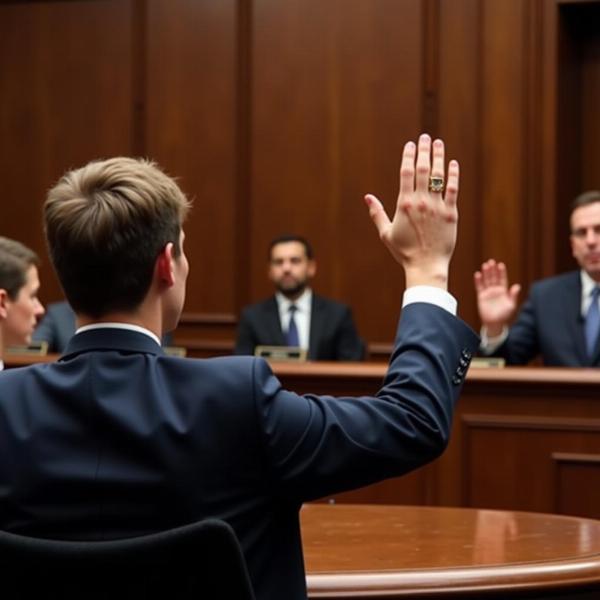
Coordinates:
(550, 324)
(332, 335)
(117, 439)
(56, 327)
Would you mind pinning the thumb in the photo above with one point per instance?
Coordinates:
(514, 292)
(377, 213)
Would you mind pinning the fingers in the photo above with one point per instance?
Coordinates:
(478, 280)
(407, 169)
(377, 213)
(423, 164)
(437, 166)
(452, 184)
(492, 274)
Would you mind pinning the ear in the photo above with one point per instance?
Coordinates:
(164, 266)
(312, 268)
(4, 300)
(572, 246)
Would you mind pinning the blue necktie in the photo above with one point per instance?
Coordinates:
(592, 323)
(292, 332)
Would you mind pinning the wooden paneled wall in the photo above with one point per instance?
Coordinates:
(278, 115)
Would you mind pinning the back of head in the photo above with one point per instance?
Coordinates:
(105, 225)
(15, 261)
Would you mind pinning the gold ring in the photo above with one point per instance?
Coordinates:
(436, 184)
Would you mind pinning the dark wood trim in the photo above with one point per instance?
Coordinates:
(139, 67)
(575, 457)
(207, 319)
(243, 156)
(530, 422)
(533, 192)
(431, 67)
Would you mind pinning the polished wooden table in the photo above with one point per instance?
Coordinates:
(367, 551)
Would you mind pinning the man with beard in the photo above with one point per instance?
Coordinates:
(295, 316)
(560, 320)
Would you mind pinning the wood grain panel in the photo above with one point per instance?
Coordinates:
(66, 98)
(460, 122)
(577, 484)
(279, 115)
(336, 91)
(574, 38)
(590, 97)
(502, 105)
(523, 451)
(191, 131)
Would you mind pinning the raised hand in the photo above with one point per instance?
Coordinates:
(422, 234)
(496, 301)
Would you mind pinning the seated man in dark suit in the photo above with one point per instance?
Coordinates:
(20, 307)
(560, 320)
(117, 439)
(322, 327)
(57, 327)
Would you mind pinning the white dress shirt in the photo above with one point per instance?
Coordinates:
(127, 326)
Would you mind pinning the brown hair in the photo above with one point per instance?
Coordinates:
(586, 198)
(15, 261)
(286, 238)
(105, 225)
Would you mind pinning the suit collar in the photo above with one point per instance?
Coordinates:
(126, 326)
(273, 322)
(124, 340)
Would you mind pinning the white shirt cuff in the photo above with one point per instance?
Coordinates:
(431, 295)
(489, 345)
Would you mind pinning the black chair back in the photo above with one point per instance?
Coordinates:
(203, 561)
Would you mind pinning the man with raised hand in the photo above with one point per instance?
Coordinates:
(118, 439)
(560, 320)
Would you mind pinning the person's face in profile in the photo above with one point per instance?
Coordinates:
(23, 312)
(290, 269)
(585, 238)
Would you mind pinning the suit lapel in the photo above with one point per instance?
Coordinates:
(316, 327)
(273, 323)
(572, 307)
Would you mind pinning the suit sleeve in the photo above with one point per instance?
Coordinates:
(318, 445)
(522, 344)
(245, 342)
(46, 331)
(349, 346)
